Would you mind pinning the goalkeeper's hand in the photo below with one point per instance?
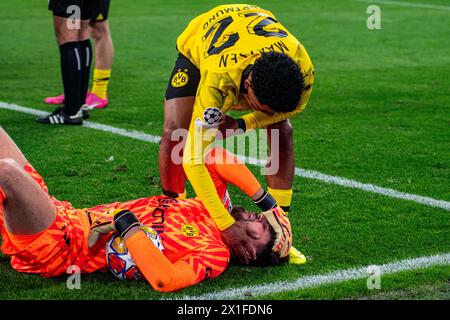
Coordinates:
(280, 223)
(124, 220)
(99, 230)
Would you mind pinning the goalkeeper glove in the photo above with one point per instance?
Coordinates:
(282, 227)
(124, 220)
(98, 231)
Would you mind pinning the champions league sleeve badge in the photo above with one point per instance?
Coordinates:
(211, 118)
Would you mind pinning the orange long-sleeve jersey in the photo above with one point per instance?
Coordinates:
(194, 249)
(193, 246)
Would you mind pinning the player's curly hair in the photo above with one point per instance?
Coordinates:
(277, 81)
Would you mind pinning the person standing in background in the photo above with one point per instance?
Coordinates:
(75, 21)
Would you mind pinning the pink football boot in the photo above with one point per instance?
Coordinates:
(94, 102)
(55, 100)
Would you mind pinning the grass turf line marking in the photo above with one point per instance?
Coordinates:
(309, 174)
(319, 280)
(408, 4)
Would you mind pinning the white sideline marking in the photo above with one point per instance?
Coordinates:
(372, 188)
(408, 4)
(138, 135)
(309, 174)
(319, 280)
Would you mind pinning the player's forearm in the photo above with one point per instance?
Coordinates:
(204, 187)
(197, 143)
(162, 274)
(234, 171)
(258, 119)
(231, 170)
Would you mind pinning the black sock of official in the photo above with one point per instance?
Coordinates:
(86, 58)
(71, 76)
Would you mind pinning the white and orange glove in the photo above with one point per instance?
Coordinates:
(280, 223)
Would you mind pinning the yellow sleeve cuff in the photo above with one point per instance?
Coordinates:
(224, 222)
(259, 119)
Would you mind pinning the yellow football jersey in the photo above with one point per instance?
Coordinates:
(221, 43)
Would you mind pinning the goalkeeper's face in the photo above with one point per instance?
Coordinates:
(259, 225)
(263, 246)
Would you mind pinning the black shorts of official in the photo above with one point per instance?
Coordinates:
(184, 79)
(89, 9)
(101, 11)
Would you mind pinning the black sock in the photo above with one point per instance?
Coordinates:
(86, 58)
(71, 76)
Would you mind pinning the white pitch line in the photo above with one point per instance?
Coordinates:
(138, 135)
(319, 280)
(372, 188)
(309, 174)
(408, 4)
(93, 125)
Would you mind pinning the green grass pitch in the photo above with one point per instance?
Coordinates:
(379, 114)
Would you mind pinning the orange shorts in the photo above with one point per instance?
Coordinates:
(52, 251)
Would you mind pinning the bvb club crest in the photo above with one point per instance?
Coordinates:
(180, 79)
(190, 230)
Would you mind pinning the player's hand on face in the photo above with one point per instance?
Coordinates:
(279, 221)
(225, 123)
(238, 238)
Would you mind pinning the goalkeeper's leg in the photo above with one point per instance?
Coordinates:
(8, 149)
(27, 208)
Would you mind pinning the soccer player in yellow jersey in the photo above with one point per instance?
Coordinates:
(233, 57)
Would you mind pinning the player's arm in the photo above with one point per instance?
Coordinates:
(258, 119)
(226, 167)
(163, 275)
(202, 133)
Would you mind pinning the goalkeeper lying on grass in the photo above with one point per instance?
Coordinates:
(45, 236)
